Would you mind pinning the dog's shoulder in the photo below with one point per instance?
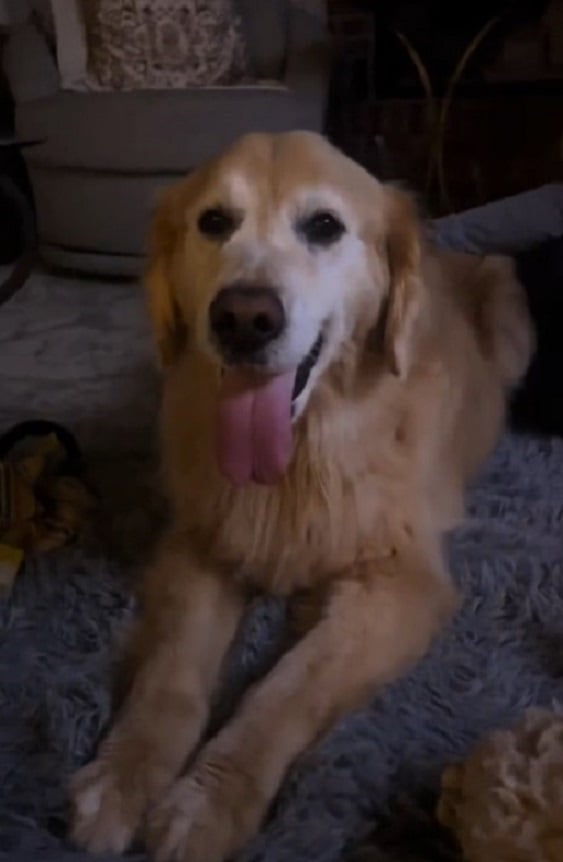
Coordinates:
(484, 292)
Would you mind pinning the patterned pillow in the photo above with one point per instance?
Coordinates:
(163, 44)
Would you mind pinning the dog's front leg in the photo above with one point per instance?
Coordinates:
(374, 623)
(188, 619)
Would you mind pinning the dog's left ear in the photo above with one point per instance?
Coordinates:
(166, 227)
(406, 291)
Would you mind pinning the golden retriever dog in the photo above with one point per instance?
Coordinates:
(331, 383)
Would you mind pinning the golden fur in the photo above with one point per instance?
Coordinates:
(504, 801)
(422, 349)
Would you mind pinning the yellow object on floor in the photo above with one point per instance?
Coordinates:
(44, 501)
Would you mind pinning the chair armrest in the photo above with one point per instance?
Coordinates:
(30, 67)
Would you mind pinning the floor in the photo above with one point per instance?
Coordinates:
(106, 391)
(79, 352)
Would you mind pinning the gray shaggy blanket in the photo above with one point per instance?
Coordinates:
(368, 791)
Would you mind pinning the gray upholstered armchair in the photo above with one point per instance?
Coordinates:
(105, 155)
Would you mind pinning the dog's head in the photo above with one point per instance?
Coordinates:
(272, 259)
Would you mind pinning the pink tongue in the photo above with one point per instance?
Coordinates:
(254, 434)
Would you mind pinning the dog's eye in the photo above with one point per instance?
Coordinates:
(216, 223)
(321, 228)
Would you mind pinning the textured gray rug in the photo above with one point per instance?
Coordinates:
(377, 772)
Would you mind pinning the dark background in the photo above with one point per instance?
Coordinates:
(503, 129)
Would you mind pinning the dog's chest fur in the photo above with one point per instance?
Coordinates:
(344, 499)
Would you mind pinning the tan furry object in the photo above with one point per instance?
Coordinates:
(505, 802)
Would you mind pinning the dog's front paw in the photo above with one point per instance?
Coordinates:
(207, 816)
(106, 807)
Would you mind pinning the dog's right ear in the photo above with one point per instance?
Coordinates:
(165, 231)
(406, 290)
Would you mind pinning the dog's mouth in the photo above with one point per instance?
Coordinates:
(305, 367)
(254, 421)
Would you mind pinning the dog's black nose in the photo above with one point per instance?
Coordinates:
(244, 319)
